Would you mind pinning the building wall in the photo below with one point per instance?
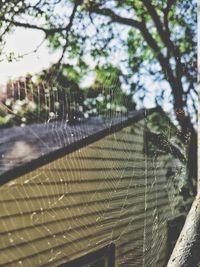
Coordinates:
(107, 192)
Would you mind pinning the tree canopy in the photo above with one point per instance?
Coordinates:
(156, 38)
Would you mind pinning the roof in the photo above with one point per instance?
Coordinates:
(23, 149)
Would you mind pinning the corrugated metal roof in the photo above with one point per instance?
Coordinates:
(25, 148)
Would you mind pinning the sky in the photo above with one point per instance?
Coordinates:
(22, 42)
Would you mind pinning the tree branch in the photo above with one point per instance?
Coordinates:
(165, 34)
(67, 30)
(150, 41)
(170, 3)
(116, 18)
(32, 26)
(175, 83)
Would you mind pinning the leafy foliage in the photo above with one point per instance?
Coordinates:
(158, 37)
(30, 101)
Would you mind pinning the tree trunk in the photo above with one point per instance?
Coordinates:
(189, 137)
(192, 162)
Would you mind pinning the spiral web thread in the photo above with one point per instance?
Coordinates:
(111, 191)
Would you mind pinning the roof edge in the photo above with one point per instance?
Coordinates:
(27, 167)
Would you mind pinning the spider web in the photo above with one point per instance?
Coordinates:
(117, 189)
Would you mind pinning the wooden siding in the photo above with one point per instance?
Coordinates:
(107, 192)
